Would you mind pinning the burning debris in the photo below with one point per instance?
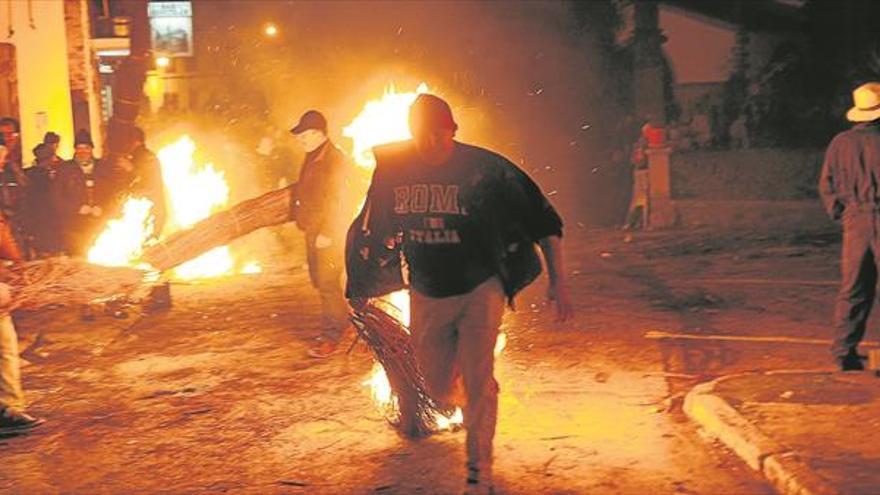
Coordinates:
(396, 383)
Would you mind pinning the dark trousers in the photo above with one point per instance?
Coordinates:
(325, 272)
(858, 286)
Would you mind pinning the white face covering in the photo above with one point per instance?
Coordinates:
(311, 139)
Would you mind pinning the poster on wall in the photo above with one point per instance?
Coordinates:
(171, 28)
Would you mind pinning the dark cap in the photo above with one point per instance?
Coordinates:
(43, 152)
(51, 138)
(83, 137)
(312, 119)
(430, 112)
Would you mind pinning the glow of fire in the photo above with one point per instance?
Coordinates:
(121, 242)
(400, 301)
(380, 388)
(193, 193)
(381, 121)
(251, 268)
(377, 380)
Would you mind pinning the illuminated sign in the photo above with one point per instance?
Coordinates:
(171, 28)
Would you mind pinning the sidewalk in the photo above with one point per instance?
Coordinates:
(808, 432)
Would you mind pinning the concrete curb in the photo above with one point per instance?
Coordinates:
(784, 469)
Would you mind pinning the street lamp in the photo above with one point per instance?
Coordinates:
(271, 30)
(163, 62)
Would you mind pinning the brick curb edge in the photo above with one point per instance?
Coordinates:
(784, 469)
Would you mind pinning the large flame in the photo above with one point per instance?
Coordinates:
(381, 121)
(193, 192)
(121, 242)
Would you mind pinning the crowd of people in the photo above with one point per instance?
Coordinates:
(58, 205)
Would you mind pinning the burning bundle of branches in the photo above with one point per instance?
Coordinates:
(272, 208)
(416, 413)
(64, 281)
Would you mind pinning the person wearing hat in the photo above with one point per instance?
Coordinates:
(53, 140)
(849, 186)
(466, 221)
(87, 184)
(324, 208)
(42, 213)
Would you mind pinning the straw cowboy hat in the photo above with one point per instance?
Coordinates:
(867, 103)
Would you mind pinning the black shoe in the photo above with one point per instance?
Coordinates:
(14, 421)
(852, 362)
(478, 483)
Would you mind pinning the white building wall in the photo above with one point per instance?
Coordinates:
(43, 74)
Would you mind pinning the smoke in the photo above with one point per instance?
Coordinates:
(520, 78)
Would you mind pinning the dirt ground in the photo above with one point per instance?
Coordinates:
(217, 395)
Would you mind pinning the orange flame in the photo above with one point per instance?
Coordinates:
(193, 192)
(381, 121)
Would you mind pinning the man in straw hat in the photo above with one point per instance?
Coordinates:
(850, 191)
(467, 221)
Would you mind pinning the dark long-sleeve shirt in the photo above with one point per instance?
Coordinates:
(850, 179)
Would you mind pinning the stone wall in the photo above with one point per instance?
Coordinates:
(761, 189)
(757, 174)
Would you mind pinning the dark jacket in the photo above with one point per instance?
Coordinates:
(850, 179)
(77, 189)
(510, 209)
(41, 215)
(13, 183)
(324, 202)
